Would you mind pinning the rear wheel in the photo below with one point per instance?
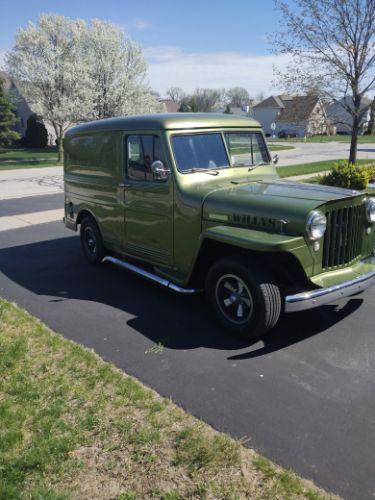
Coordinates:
(245, 299)
(91, 241)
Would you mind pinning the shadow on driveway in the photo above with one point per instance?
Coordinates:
(57, 269)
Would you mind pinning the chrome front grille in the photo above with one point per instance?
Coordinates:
(343, 238)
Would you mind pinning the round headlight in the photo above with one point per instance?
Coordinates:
(371, 209)
(316, 225)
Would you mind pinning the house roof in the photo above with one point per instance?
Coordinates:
(365, 103)
(274, 101)
(292, 108)
(167, 121)
(297, 109)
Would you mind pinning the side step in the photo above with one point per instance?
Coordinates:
(150, 276)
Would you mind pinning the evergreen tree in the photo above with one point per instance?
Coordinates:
(36, 133)
(7, 118)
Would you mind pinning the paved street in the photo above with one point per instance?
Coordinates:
(30, 182)
(304, 396)
(309, 152)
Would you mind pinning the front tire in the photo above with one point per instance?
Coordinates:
(245, 299)
(91, 241)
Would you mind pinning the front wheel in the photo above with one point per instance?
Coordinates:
(245, 299)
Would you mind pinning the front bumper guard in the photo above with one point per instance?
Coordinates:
(316, 298)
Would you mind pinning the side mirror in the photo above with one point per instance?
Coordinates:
(275, 159)
(160, 171)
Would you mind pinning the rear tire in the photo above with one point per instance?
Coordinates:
(245, 299)
(91, 241)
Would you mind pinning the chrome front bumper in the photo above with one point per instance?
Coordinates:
(321, 296)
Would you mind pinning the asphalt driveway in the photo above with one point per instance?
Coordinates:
(304, 396)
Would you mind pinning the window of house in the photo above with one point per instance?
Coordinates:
(142, 151)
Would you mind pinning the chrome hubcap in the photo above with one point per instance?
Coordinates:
(90, 240)
(234, 298)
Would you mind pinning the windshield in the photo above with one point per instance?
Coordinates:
(246, 148)
(199, 152)
(196, 152)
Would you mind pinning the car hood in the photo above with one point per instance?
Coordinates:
(278, 204)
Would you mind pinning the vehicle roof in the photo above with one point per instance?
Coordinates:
(166, 121)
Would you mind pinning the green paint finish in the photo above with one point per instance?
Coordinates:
(168, 222)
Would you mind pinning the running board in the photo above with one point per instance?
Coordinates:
(149, 276)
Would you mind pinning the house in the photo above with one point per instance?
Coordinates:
(234, 110)
(170, 106)
(23, 109)
(266, 112)
(297, 115)
(343, 120)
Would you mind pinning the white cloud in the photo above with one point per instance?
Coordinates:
(171, 66)
(141, 24)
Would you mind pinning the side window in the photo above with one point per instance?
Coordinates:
(142, 151)
(97, 153)
(136, 164)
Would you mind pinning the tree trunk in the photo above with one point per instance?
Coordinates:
(60, 147)
(355, 128)
(354, 142)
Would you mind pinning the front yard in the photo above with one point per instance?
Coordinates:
(73, 426)
(312, 168)
(362, 139)
(11, 158)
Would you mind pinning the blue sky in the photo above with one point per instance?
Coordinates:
(187, 43)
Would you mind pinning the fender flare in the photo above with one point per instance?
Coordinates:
(254, 241)
(251, 239)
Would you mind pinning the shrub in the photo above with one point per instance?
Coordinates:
(36, 133)
(349, 176)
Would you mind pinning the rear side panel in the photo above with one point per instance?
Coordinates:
(93, 172)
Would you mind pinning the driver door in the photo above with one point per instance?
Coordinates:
(148, 202)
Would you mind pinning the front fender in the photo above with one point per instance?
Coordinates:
(260, 241)
(252, 239)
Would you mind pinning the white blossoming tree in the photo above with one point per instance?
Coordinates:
(48, 65)
(117, 73)
(72, 72)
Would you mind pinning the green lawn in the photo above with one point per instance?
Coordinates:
(362, 139)
(245, 150)
(73, 426)
(278, 147)
(311, 168)
(31, 164)
(11, 158)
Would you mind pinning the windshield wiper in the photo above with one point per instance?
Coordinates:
(257, 165)
(204, 170)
